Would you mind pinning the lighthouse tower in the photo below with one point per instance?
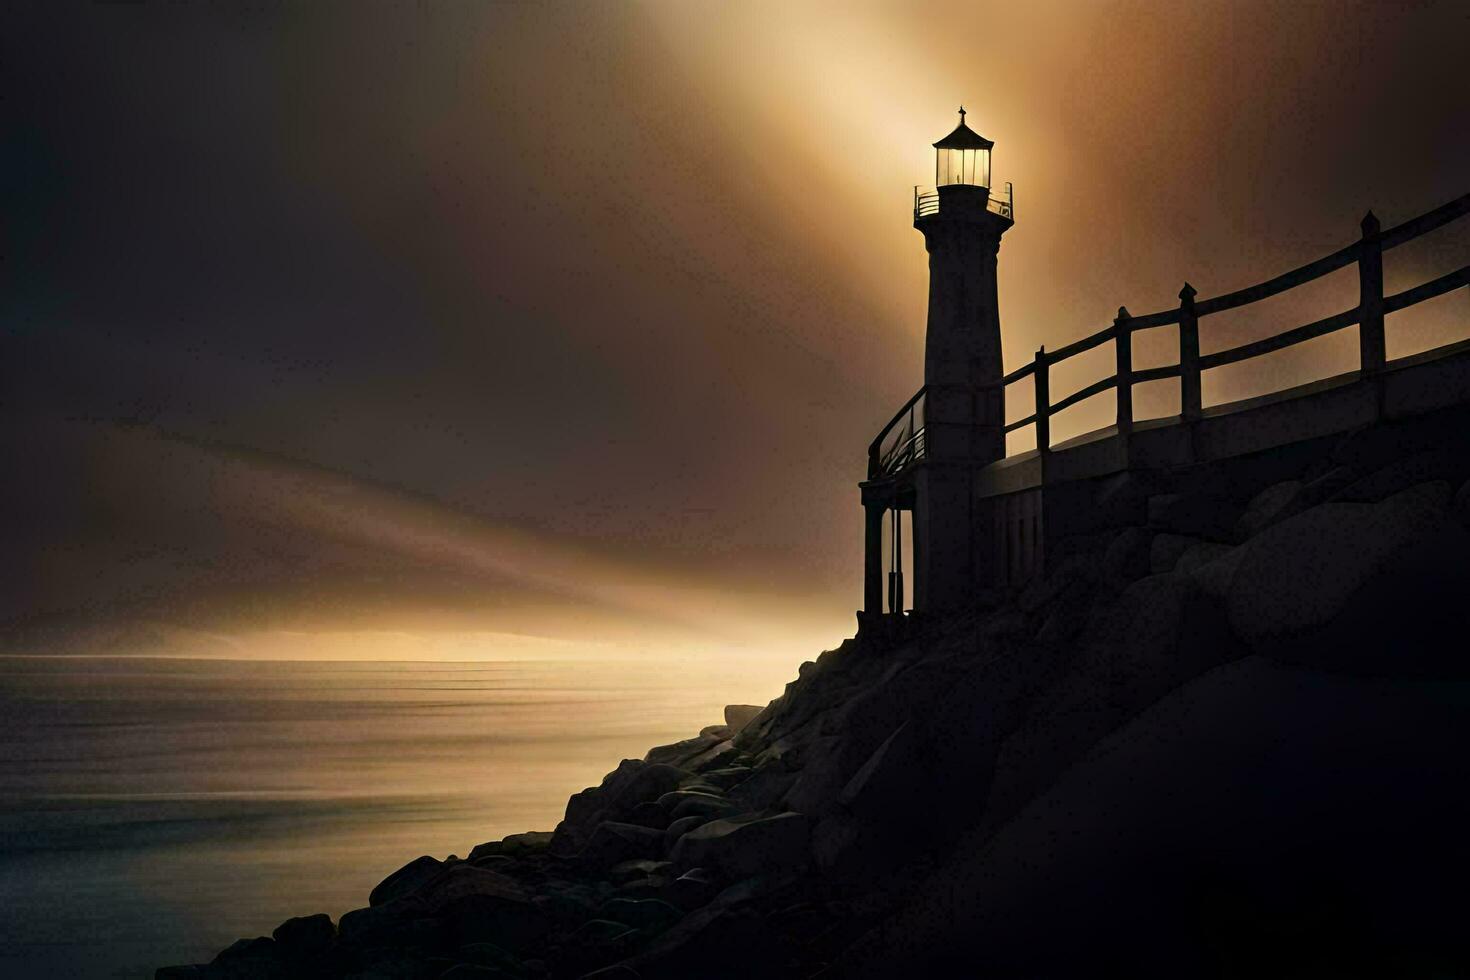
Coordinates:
(962, 229)
(925, 461)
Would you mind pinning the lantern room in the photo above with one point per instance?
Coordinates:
(962, 157)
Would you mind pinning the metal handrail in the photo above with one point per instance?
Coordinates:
(926, 202)
(909, 444)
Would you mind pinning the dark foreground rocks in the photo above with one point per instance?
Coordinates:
(1226, 738)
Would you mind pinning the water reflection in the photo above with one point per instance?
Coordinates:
(151, 811)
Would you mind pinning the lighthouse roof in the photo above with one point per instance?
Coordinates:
(963, 138)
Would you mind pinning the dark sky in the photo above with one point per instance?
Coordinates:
(577, 319)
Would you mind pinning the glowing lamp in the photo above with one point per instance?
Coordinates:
(962, 157)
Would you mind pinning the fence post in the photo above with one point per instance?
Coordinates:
(1123, 344)
(1189, 382)
(1370, 298)
(1043, 403)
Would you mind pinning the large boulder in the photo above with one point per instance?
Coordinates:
(1166, 550)
(737, 716)
(1127, 555)
(406, 879)
(648, 914)
(1260, 821)
(883, 783)
(512, 925)
(1402, 473)
(741, 847)
(1267, 507)
(619, 794)
(424, 916)
(613, 842)
(1196, 515)
(1297, 575)
(307, 935)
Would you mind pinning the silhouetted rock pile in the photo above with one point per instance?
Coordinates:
(1227, 740)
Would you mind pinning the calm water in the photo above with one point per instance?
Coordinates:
(152, 811)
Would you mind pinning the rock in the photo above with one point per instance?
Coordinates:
(639, 868)
(424, 916)
(653, 886)
(678, 752)
(406, 879)
(725, 939)
(620, 792)
(1320, 490)
(737, 716)
(1397, 623)
(491, 955)
(672, 799)
(474, 971)
(884, 783)
(723, 779)
(835, 841)
(694, 888)
(1200, 554)
(767, 784)
(714, 756)
(530, 842)
(1400, 474)
(615, 972)
(612, 843)
(742, 847)
(596, 932)
(509, 924)
(249, 959)
(485, 851)
(682, 826)
(1195, 514)
(567, 906)
(649, 814)
(398, 923)
(1214, 575)
(492, 861)
(1298, 574)
(1254, 767)
(305, 936)
(583, 807)
(593, 944)
(460, 879)
(248, 949)
(1123, 499)
(1166, 549)
(1461, 505)
(700, 805)
(649, 915)
(1267, 507)
(1127, 555)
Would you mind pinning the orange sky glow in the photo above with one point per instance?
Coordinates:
(525, 327)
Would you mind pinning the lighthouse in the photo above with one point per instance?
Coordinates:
(925, 460)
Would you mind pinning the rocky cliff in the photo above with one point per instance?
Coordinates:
(1226, 740)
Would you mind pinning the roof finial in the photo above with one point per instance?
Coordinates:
(962, 115)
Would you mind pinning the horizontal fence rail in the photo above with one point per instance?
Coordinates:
(901, 443)
(1366, 253)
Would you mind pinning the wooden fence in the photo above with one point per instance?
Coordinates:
(1368, 316)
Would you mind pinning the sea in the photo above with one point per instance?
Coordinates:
(153, 810)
